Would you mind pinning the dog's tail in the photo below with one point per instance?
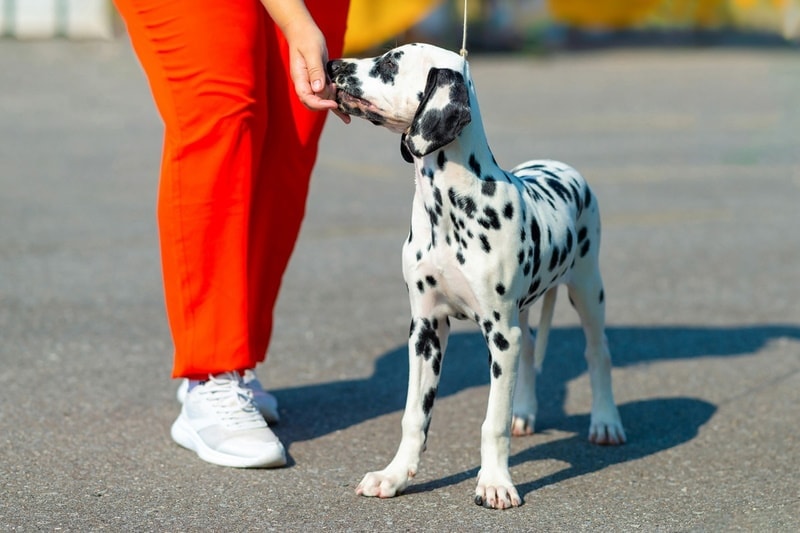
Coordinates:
(545, 320)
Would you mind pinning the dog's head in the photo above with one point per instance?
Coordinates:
(417, 90)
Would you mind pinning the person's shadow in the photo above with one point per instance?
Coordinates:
(652, 425)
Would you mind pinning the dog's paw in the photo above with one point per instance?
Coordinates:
(381, 485)
(522, 425)
(607, 431)
(496, 493)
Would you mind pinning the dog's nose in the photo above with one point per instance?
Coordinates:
(333, 67)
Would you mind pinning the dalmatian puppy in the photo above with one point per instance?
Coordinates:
(484, 244)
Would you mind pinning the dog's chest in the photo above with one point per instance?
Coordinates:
(460, 244)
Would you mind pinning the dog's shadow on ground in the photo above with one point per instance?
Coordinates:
(652, 425)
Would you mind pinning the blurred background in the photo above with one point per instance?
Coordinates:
(495, 25)
(682, 114)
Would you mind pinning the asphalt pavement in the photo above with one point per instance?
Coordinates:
(694, 154)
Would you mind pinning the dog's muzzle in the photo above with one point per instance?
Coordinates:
(349, 93)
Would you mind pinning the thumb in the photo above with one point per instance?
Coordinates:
(316, 73)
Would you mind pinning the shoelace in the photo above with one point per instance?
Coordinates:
(233, 402)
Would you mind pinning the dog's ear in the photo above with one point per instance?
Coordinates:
(442, 113)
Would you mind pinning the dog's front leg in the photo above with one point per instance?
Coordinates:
(495, 488)
(426, 346)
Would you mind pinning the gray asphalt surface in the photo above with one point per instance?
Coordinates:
(695, 157)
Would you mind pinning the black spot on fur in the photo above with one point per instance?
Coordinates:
(602, 295)
(488, 187)
(468, 205)
(585, 247)
(420, 286)
(536, 232)
(500, 341)
(344, 75)
(436, 364)
(460, 258)
(427, 341)
(434, 221)
(545, 192)
(474, 165)
(427, 401)
(496, 370)
(582, 234)
(490, 220)
(496, 315)
(534, 286)
(563, 258)
(437, 197)
(386, 66)
(558, 187)
(485, 244)
(430, 280)
(554, 258)
(508, 211)
(500, 289)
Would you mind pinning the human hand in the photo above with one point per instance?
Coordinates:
(308, 55)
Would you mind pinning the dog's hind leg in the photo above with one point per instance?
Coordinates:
(426, 346)
(587, 296)
(532, 355)
(525, 404)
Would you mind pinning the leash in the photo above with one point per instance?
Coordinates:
(463, 50)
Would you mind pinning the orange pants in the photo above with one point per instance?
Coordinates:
(239, 148)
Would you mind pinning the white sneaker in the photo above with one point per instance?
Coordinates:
(266, 402)
(221, 423)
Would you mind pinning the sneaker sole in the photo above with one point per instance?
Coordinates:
(183, 434)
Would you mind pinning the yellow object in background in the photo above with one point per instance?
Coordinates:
(602, 13)
(372, 22)
(781, 16)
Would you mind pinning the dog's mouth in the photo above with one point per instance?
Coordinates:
(350, 100)
(358, 107)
